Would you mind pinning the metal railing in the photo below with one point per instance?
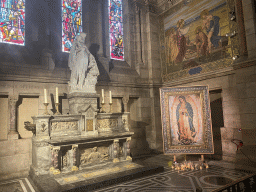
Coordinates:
(245, 184)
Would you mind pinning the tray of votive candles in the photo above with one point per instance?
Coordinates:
(190, 165)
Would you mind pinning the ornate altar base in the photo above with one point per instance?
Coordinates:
(93, 177)
(84, 149)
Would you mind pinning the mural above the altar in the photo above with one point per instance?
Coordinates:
(195, 34)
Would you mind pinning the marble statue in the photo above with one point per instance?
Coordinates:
(83, 66)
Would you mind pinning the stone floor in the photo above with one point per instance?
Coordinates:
(219, 173)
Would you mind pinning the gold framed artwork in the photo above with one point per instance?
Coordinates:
(186, 120)
(196, 39)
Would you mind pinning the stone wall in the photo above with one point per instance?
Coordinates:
(15, 158)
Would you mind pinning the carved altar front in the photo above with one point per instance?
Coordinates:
(66, 143)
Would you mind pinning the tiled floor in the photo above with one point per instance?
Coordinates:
(219, 174)
(17, 185)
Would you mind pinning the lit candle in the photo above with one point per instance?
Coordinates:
(45, 96)
(174, 158)
(110, 97)
(202, 157)
(57, 95)
(102, 95)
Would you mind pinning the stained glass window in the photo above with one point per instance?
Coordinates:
(71, 22)
(12, 22)
(116, 30)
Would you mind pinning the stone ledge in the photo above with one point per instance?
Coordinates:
(90, 179)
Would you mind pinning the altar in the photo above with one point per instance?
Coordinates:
(87, 148)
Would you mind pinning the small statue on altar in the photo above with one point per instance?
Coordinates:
(83, 66)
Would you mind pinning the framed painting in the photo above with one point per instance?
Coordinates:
(198, 36)
(186, 120)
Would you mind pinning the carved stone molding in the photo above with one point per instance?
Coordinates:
(106, 125)
(64, 125)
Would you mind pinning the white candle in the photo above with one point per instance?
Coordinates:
(57, 95)
(45, 96)
(110, 97)
(102, 95)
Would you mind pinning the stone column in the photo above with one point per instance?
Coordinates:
(125, 100)
(75, 159)
(13, 133)
(116, 150)
(128, 150)
(55, 160)
(232, 123)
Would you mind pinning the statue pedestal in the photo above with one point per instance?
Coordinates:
(79, 102)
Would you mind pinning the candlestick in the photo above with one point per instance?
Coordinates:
(46, 111)
(45, 96)
(102, 95)
(102, 110)
(57, 109)
(57, 95)
(110, 106)
(110, 97)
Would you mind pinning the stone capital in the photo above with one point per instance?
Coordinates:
(55, 148)
(74, 147)
(125, 99)
(128, 139)
(13, 99)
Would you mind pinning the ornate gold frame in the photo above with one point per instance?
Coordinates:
(168, 147)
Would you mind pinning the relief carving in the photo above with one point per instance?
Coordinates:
(59, 126)
(107, 124)
(94, 155)
(43, 127)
